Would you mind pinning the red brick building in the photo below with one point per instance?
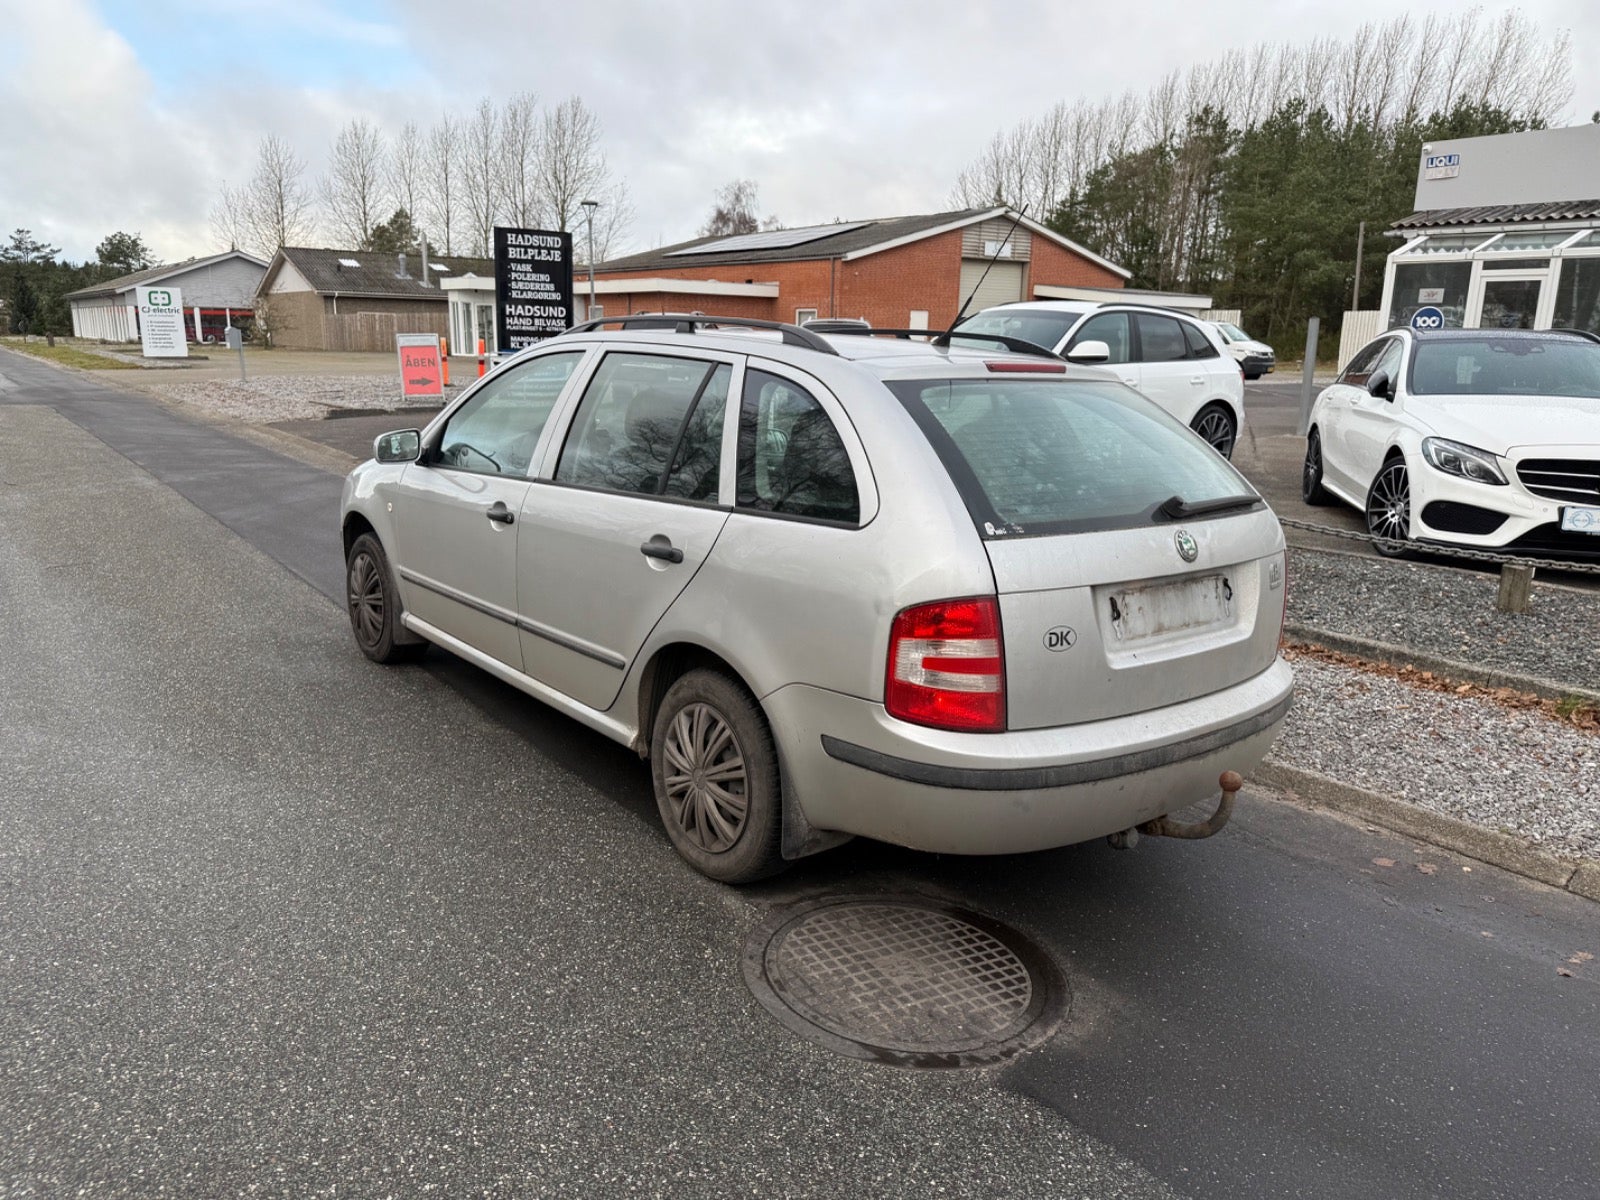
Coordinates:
(902, 272)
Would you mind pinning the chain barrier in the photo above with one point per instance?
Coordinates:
(1483, 556)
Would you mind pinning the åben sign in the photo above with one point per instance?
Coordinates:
(420, 371)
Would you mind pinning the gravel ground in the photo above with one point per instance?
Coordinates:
(1517, 771)
(283, 397)
(1449, 613)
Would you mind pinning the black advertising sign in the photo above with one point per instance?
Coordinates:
(532, 286)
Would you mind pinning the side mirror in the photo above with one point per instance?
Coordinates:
(401, 446)
(1089, 352)
(1379, 384)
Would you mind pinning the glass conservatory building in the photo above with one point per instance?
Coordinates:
(1506, 234)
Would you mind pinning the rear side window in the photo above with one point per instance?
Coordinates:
(495, 432)
(640, 421)
(1062, 456)
(1160, 339)
(1110, 328)
(791, 458)
(1200, 346)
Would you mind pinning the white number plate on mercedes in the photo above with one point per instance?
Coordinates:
(1581, 520)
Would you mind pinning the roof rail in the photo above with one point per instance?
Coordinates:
(938, 337)
(793, 335)
(1583, 333)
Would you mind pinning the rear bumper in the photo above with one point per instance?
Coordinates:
(854, 769)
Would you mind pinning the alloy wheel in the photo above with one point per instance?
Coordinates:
(706, 781)
(1217, 428)
(1389, 507)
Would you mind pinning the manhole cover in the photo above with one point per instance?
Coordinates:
(905, 981)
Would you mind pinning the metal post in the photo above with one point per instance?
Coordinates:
(1361, 239)
(588, 216)
(1306, 387)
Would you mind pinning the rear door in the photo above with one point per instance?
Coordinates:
(1167, 374)
(627, 511)
(1107, 606)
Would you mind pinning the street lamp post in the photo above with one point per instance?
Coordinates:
(588, 219)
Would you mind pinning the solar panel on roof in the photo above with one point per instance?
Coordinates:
(348, 262)
(769, 239)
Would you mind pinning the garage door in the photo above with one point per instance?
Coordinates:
(1003, 286)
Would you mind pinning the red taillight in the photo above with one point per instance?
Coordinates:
(1026, 368)
(947, 666)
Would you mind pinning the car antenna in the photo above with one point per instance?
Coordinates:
(944, 338)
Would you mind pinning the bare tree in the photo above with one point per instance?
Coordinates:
(481, 184)
(439, 181)
(572, 166)
(407, 169)
(276, 208)
(520, 159)
(613, 216)
(228, 222)
(354, 191)
(734, 210)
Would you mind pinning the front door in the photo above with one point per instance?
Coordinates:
(632, 510)
(457, 507)
(1508, 300)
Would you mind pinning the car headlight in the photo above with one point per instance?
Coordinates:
(1454, 458)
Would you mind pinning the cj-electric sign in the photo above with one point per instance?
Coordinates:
(159, 298)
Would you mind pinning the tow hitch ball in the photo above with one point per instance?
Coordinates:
(1231, 782)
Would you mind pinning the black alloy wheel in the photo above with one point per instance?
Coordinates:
(1311, 489)
(1389, 509)
(1215, 424)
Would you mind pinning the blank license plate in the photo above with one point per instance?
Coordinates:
(1169, 607)
(1581, 520)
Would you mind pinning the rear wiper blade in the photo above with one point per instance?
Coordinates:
(1175, 508)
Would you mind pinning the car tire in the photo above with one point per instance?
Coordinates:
(373, 604)
(1252, 378)
(1215, 423)
(715, 770)
(1389, 509)
(1311, 489)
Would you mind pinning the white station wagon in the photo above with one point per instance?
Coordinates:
(963, 601)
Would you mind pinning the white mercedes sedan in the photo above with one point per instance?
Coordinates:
(1472, 437)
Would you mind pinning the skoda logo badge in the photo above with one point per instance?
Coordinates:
(1188, 548)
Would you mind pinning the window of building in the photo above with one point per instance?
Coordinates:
(802, 315)
(1578, 294)
(1441, 285)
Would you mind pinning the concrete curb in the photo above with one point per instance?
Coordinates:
(1579, 876)
(1386, 652)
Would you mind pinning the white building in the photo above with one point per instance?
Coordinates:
(1506, 234)
(218, 292)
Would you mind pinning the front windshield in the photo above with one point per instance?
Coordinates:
(1041, 328)
(1060, 455)
(1235, 334)
(1506, 366)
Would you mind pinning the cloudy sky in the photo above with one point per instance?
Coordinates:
(130, 115)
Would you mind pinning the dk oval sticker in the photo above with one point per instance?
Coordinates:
(1062, 637)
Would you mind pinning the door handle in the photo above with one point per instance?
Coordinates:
(1129, 382)
(661, 547)
(1197, 379)
(499, 512)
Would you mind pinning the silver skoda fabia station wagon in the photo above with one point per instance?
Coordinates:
(971, 601)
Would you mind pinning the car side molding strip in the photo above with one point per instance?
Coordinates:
(1018, 779)
(615, 661)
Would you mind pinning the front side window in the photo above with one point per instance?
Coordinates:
(495, 432)
(791, 458)
(1110, 328)
(632, 424)
(1358, 368)
(1160, 339)
(1062, 456)
(1388, 362)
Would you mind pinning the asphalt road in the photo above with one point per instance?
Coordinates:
(276, 921)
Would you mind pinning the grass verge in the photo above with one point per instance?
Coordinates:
(67, 356)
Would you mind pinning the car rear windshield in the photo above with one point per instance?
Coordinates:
(1506, 366)
(1063, 456)
(1041, 328)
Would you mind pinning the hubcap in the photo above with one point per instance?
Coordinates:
(1389, 507)
(366, 599)
(1218, 430)
(706, 783)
